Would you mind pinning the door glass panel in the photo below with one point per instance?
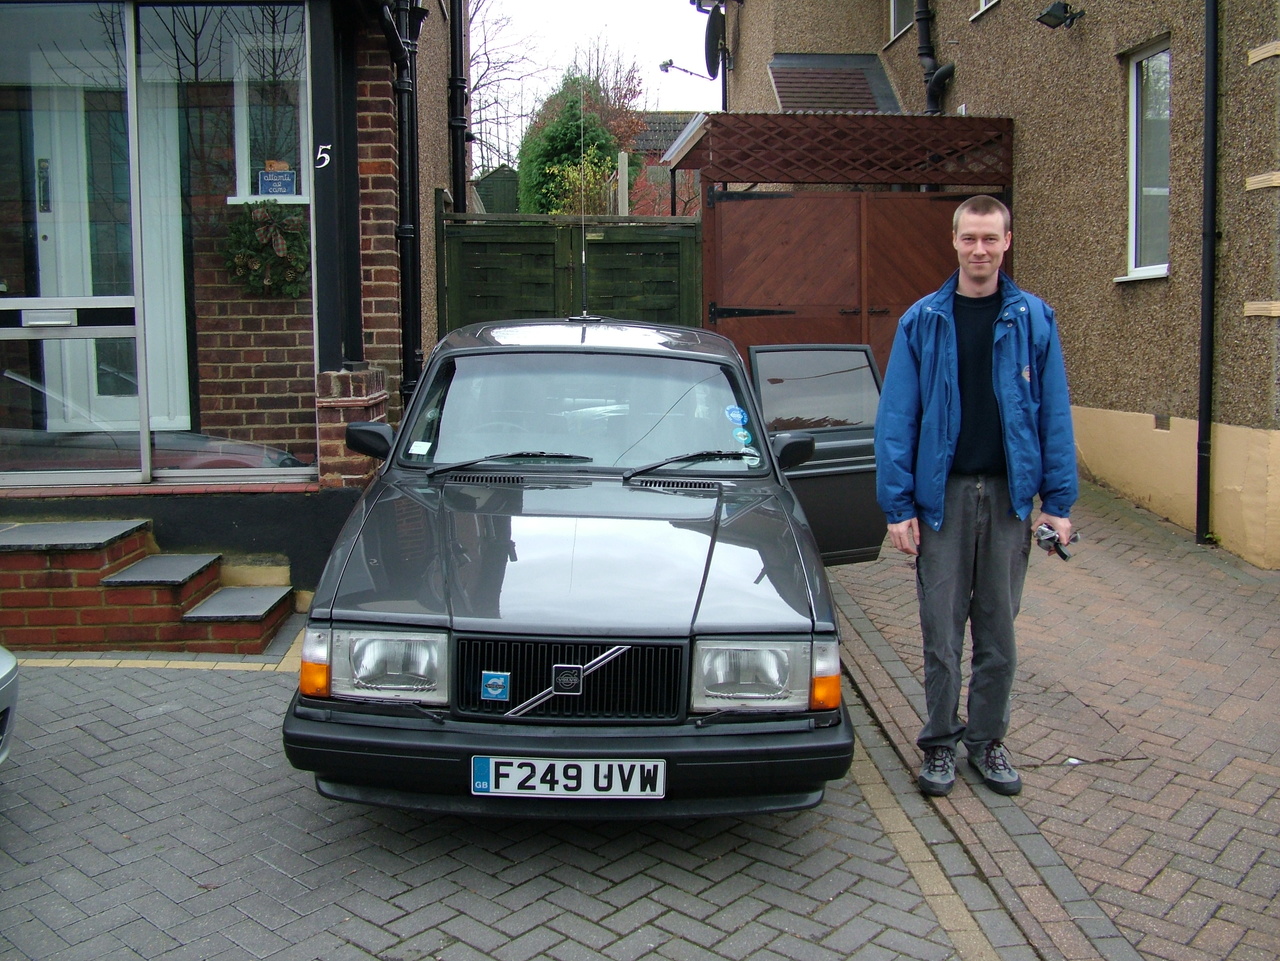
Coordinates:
(45, 426)
(64, 184)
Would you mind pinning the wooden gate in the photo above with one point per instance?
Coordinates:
(503, 267)
(819, 267)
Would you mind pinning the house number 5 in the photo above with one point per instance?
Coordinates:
(322, 155)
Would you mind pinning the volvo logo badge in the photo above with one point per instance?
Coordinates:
(566, 678)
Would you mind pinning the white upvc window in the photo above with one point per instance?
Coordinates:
(1150, 76)
(902, 14)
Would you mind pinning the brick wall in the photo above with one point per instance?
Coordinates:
(379, 212)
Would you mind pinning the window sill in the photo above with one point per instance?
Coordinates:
(897, 36)
(1144, 273)
(984, 9)
(281, 198)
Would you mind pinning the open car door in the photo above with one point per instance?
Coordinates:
(831, 391)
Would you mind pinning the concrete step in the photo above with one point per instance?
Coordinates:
(163, 569)
(67, 535)
(102, 585)
(238, 604)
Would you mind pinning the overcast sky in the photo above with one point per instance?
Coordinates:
(650, 31)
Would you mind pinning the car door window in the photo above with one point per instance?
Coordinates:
(818, 387)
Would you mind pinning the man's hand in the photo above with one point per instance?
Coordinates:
(1061, 525)
(905, 535)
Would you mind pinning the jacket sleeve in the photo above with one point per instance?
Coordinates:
(898, 427)
(1059, 485)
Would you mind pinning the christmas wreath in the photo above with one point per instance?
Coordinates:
(268, 249)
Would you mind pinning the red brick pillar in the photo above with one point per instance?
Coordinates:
(343, 397)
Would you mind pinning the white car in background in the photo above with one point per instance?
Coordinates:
(8, 700)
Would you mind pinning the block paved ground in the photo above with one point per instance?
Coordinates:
(1146, 728)
(147, 811)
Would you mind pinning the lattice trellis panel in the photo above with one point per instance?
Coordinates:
(841, 148)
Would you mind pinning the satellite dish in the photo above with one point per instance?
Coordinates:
(714, 43)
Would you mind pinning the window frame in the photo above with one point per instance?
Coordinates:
(896, 29)
(1133, 72)
(246, 188)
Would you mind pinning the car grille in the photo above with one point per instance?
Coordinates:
(644, 684)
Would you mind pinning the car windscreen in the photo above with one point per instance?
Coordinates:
(620, 410)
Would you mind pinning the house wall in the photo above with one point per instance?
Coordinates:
(793, 26)
(433, 153)
(379, 208)
(1132, 348)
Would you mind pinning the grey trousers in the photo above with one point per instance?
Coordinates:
(971, 571)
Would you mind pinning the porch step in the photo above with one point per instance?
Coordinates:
(102, 585)
(163, 569)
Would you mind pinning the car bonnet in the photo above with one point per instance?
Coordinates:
(593, 557)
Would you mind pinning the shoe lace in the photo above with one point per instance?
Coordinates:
(940, 760)
(996, 759)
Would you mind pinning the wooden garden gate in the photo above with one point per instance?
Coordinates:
(822, 268)
(509, 266)
(796, 264)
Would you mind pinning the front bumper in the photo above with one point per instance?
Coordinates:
(729, 767)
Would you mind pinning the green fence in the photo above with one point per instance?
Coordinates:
(510, 266)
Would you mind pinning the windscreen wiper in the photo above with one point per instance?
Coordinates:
(689, 458)
(514, 455)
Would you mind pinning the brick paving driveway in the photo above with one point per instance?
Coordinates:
(1146, 728)
(150, 813)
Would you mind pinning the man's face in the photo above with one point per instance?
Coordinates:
(980, 241)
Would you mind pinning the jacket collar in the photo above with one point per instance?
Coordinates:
(942, 299)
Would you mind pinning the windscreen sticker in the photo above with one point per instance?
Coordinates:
(752, 458)
(736, 414)
(420, 448)
(742, 436)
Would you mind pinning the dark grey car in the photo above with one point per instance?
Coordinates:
(581, 585)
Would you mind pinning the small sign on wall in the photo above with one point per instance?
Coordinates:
(277, 179)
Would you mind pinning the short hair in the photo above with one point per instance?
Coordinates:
(982, 205)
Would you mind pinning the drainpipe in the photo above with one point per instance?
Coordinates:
(458, 104)
(401, 28)
(935, 77)
(1208, 272)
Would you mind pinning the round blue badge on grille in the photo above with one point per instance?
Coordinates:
(495, 686)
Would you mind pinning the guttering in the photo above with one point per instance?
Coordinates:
(401, 28)
(458, 105)
(935, 77)
(1208, 274)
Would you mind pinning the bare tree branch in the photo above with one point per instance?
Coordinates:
(501, 73)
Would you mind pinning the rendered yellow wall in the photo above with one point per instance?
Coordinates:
(1156, 469)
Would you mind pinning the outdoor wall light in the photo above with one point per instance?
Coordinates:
(1059, 14)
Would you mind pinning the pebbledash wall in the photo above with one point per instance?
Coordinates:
(1132, 344)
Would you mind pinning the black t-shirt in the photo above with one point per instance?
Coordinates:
(980, 449)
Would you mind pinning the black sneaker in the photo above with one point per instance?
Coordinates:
(938, 772)
(992, 762)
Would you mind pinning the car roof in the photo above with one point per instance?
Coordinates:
(591, 333)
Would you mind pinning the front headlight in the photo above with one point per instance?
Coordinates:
(375, 664)
(751, 675)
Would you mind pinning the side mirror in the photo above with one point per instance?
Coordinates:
(791, 449)
(368, 437)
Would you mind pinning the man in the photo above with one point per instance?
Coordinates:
(974, 422)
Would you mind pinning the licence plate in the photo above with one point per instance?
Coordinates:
(548, 777)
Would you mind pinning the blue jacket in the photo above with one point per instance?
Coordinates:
(918, 421)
